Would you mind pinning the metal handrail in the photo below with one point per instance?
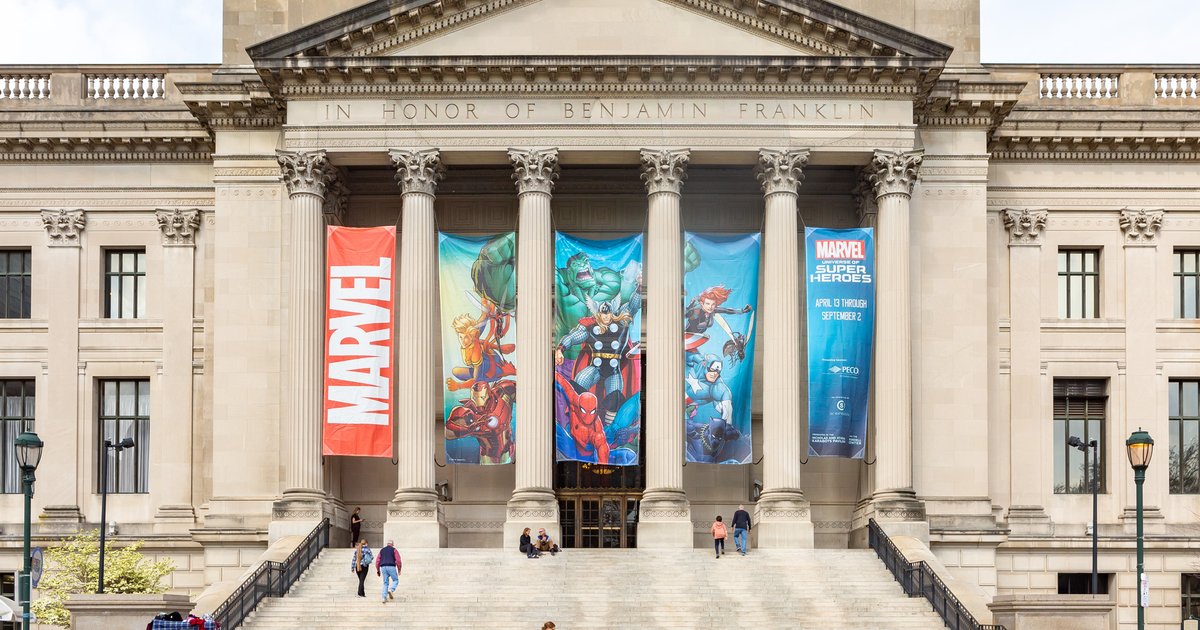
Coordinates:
(919, 580)
(271, 579)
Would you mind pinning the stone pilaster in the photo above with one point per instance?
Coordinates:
(893, 174)
(533, 503)
(665, 516)
(62, 373)
(415, 516)
(1027, 415)
(173, 469)
(1140, 229)
(307, 175)
(782, 518)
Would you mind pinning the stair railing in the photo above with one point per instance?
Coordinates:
(271, 579)
(919, 580)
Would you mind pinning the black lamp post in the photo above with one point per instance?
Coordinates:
(1092, 478)
(29, 455)
(117, 448)
(1140, 448)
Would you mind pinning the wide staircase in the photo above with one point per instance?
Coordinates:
(603, 589)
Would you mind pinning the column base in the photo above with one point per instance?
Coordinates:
(174, 519)
(59, 519)
(532, 508)
(900, 513)
(783, 520)
(297, 513)
(415, 520)
(665, 521)
(1029, 520)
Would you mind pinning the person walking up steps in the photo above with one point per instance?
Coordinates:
(387, 565)
(361, 564)
(741, 529)
(719, 533)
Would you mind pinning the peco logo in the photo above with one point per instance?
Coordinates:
(845, 369)
(841, 249)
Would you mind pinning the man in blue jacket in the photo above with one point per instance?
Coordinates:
(387, 565)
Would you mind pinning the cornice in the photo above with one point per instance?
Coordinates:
(957, 103)
(245, 104)
(100, 150)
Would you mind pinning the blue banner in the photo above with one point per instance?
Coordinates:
(840, 272)
(721, 289)
(597, 353)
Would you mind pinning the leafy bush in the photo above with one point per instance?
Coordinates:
(74, 567)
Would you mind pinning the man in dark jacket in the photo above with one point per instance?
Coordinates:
(741, 529)
(387, 565)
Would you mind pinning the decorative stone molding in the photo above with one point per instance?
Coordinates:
(894, 172)
(418, 171)
(305, 172)
(864, 201)
(900, 514)
(781, 171)
(295, 515)
(786, 513)
(178, 226)
(664, 513)
(475, 525)
(412, 514)
(1141, 227)
(663, 170)
(64, 226)
(1024, 227)
(531, 513)
(534, 170)
(337, 198)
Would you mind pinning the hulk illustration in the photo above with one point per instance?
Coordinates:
(494, 272)
(578, 282)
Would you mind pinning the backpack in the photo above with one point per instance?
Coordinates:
(366, 559)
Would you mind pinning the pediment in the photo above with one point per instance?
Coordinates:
(596, 28)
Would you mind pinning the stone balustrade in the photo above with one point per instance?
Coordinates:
(24, 86)
(1103, 86)
(91, 87)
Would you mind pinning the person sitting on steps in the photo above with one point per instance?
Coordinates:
(544, 543)
(526, 545)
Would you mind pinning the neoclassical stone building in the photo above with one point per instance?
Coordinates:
(1038, 230)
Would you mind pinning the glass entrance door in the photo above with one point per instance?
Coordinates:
(599, 521)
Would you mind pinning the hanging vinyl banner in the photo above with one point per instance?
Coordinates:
(721, 288)
(840, 276)
(358, 341)
(597, 354)
(478, 284)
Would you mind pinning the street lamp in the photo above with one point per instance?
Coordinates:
(1140, 448)
(1090, 473)
(117, 448)
(29, 454)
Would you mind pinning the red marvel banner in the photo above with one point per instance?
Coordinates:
(358, 341)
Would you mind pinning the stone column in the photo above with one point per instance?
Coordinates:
(665, 519)
(1027, 413)
(782, 517)
(60, 415)
(533, 503)
(1148, 412)
(893, 175)
(172, 468)
(306, 175)
(415, 515)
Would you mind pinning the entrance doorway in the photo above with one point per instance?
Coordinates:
(598, 505)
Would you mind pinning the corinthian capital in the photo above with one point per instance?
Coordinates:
(63, 226)
(664, 170)
(534, 170)
(894, 172)
(1024, 227)
(418, 171)
(305, 171)
(1141, 226)
(781, 171)
(337, 198)
(178, 226)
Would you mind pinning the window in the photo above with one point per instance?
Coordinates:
(125, 283)
(16, 416)
(1187, 283)
(1078, 283)
(1189, 595)
(16, 283)
(1078, 411)
(125, 413)
(1081, 583)
(1184, 460)
(8, 588)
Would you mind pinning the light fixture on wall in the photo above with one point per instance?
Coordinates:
(444, 493)
(756, 490)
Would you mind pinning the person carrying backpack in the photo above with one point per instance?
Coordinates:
(362, 564)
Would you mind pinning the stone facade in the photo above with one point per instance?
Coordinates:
(668, 114)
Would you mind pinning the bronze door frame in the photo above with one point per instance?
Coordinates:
(599, 519)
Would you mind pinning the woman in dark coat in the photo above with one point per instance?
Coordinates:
(526, 545)
(355, 527)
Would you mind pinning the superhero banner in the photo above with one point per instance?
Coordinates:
(358, 341)
(478, 283)
(597, 356)
(720, 285)
(840, 274)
